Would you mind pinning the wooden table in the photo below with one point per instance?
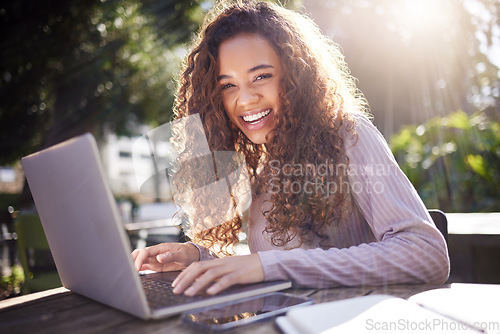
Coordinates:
(62, 311)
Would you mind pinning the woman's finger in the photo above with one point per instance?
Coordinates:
(189, 275)
(141, 258)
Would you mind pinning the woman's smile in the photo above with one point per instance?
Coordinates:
(255, 118)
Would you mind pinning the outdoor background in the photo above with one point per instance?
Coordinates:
(428, 68)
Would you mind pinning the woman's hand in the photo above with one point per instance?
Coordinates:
(165, 257)
(219, 274)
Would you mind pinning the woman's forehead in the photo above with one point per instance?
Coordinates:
(243, 52)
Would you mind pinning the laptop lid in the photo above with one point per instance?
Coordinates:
(91, 250)
(90, 247)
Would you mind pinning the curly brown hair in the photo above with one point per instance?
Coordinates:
(318, 97)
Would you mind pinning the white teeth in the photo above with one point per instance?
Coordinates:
(254, 117)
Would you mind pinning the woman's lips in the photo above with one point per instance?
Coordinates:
(257, 120)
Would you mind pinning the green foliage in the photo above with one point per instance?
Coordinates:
(71, 66)
(11, 285)
(453, 161)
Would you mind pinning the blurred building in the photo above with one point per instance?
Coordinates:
(131, 170)
(11, 180)
(116, 154)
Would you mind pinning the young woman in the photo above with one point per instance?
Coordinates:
(330, 205)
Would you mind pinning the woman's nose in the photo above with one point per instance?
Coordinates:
(247, 96)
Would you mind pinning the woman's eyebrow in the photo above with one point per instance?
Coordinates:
(259, 67)
(253, 69)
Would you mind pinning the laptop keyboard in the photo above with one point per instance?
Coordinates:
(159, 293)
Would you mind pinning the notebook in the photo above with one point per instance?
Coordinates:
(90, 247)
(461, 308)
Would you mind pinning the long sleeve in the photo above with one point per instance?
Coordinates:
(407, 247)
(205, 254)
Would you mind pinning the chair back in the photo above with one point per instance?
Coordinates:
(440, 221)
(40, 272)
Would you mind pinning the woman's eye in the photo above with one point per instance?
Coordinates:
(226, 86)
(263, 76)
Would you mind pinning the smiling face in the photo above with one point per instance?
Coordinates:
(249, 76)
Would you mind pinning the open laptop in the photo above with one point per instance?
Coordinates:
(90, 247)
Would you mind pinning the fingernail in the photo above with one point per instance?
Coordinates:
(161, 257)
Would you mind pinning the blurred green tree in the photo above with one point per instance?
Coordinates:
(453, 161)
(73, 66)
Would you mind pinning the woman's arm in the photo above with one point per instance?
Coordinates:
(408, 247)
